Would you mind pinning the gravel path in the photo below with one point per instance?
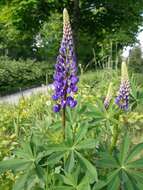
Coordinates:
(14, 98)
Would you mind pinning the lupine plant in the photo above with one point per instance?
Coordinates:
(97, 151)
(65, 79)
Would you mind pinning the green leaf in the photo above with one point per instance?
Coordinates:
(15, 164)
(90, 168)
(69, 114)
(40, 173)
(69, 165)
(69, 134)
(81, 132)
(112, 175)
(84, 184)
(54, 158)
(130, 182)
(127, 181)
(136, 150)
(63, 188)
(99, 185)
(114, 183)
(20, 182)
(24, 152)
(107, 161)
(124, 149)
(137, 175)
(57, 147)
(136, 164)
(82, 109)
(68, 180)
(87, 144)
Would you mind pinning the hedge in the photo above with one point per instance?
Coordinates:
(22, 74)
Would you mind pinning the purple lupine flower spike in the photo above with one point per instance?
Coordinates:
(108, 96)
(65, 78)
(122, 100)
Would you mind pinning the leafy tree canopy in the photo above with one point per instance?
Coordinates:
(96, 23)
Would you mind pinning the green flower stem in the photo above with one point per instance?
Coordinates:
(116, 133)
(64, 121)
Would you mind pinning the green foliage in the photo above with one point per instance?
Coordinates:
(36, 157)
(49, 36)
(123, 166)
(16, 75)
(100, 23)
(136, 60)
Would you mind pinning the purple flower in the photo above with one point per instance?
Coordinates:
(55, 97)
(56, 108)
(65, 76)
(71, 102)
(122, 100)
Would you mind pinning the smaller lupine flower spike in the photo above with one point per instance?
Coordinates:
(65, 76)
(108, 96)
(122, 100)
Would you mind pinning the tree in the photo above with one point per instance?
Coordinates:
(136, 59)
(96, 23)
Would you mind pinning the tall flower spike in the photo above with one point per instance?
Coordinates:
(122, 100)
(108, 96)
(65, 79)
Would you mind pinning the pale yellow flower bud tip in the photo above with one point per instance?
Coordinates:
(65, 15)
(109, 93)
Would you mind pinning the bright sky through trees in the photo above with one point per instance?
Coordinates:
(127, 49)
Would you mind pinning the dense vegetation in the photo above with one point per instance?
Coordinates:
(35, 132)
(85, 133)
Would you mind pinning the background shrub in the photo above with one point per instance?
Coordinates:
(16, 75)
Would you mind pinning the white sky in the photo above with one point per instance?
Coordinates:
(128, 48)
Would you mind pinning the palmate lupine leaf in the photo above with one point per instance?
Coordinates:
(71, 151)
(124, 167)
(101, 184)
(27, 162)
(24, 160)
(75, 181)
